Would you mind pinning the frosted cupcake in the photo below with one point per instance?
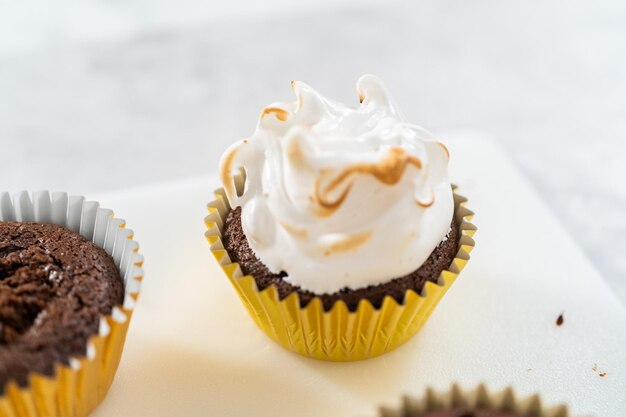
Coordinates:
(336, 211)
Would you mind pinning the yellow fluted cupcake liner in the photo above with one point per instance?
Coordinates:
(338, 334)
(481, 397)
(76, 389)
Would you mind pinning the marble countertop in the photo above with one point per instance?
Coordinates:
(82, 106)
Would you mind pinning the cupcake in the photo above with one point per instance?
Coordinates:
(479, 402)
(69, 278)
(338, 226)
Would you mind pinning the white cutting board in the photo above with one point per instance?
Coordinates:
(192, 350)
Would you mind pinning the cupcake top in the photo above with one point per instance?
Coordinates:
(54, 287)
(465, 412)
(477, 402)
(337, 196)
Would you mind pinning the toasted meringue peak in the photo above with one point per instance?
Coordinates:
(338, 196)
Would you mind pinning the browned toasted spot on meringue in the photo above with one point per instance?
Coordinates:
(226, 172)
(388, 171)
(281, 114)
(299, 96)
(293, 230)
(295, 154)
(445, 149)
(325, 208)
(348, 243)
(361, 98)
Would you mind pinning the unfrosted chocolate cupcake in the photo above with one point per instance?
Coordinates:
(54, 287)
(477, 402)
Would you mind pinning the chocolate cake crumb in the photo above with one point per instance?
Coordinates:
(596, 368)
(54, 286)
(559, 320)
(236, 244)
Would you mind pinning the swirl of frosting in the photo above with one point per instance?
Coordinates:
(340, 197)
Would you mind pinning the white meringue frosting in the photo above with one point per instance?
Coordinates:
(337, 196)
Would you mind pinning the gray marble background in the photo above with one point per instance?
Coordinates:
(157, 91)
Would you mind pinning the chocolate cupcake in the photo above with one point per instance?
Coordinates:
(66, 297)
(54, 286)
(478, 402)
(337, 208)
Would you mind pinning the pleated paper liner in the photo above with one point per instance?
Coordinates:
(336, 335)
(76, 389)
(479, 398)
